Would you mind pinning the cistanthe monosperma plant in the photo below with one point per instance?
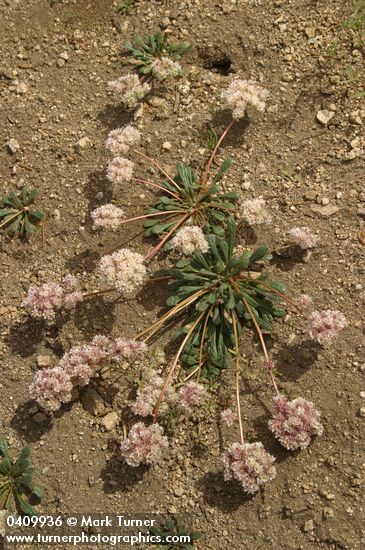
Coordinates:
(188, 198)
(216, 293)
(215, 296)
(155, 60)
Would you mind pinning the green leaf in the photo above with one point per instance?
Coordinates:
(25, 506)
(4, 449)
(225, 166)
(13, 227)
(258, 254)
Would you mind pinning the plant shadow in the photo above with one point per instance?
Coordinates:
(23, 423)
(95, 316)
(300, 357)
(117, 475)
(115, 116)
(26, 334)
(227, 496)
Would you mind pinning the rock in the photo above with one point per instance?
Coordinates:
(167, 146)
(325, 201)
(362, 412)
(310, 195)
(355, 118)
(13, 146)
(83, 143)
(6, 73)
(325, 116)
(43, 361)
(109, 421)
(22, 88)
(310, 32)
(361, 211)
(178, 492)
(65, 56)
(308, 526)
(325, 211)
(328, 512)
(61, 62)
(40, 418)
(92, 402)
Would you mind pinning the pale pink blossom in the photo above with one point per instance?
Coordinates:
(164, 67)
(254, 212)
(51, 388)
(228, 417)
(326, 325)
(107, 216)
(295, 422)
(249, 464)
(121, 139)
(148, 393)
(191, 396)
(242, 93)
(125, 270)
(130, 88)
(127, 350)
(303, 237)
(120, 170)
(303, 301)
(190, 239)
(144, 444)
(44, 301)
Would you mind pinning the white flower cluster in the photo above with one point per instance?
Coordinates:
(165, 67)
(121, 139)
(241, 93)
(189, 240)
(254, 212)
(119, 170)
(131, 89)
(125, 270)
(107, 216)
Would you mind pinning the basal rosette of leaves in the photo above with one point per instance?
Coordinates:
(16, 481)
(144, 51)
(192, 201)
(213, 287)
(17, 215)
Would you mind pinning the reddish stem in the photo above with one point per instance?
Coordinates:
(160, 169)
(206, 172)
(146, 182)
(167, 236)
(152, 215)
(171, 371)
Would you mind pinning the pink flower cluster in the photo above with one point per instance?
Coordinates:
(120, 140)
(164, 67)
(130, 88)
(43, 301)
(242, 93)
(295, 422)
(144, 444)
(149, 392)
(304, 301)
(303, 237)
(228, 417)
(120, 170)
(125, 270)
(52, 387)
(107, 216)
(191, 396)
(249, 464)
(254, 212)
(326, 325)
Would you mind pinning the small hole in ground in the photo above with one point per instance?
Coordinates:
(221, 65)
